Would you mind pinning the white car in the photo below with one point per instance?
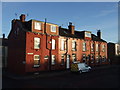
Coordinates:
(83, 67)
(80, 67)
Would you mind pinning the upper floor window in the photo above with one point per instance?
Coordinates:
(37, 26)
(36, 60)
(96, 47)
(92, 47)
(53, 60)
(53, 44)
(88, 34)
(36, 43)
(74, 45)
(84, 46)
(103, 48)
(53, 28)
(63, 44)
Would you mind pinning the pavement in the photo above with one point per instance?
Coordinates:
(34, 75)
(7, 74)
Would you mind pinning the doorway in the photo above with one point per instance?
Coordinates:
(68, 62)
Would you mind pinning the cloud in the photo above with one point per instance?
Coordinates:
(109, 29)
(105, 13)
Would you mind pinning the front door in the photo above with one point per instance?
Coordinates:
(68, 62)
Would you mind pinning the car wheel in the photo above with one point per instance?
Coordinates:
(89, 70)
(80, 71)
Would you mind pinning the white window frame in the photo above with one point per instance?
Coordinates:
(88, 34)
(103, 48)
(92, 47)
(74, 57)
(38, 59)
(84, 46)
(62, 59)
(53, 44)
(96, 47)
(53, 58)
(63, 44)
(74, 45)
(97, 59)
(53, 28)
(37, 25)
(36, 43)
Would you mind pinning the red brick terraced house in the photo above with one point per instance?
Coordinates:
(40, 46)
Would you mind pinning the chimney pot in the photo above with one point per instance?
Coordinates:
(3, 36)
(99, 33)
(71, 28)
(22, 18)
(70, 23)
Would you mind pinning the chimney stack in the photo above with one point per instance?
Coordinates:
(99, 34)
(71, 28)
(22, 18)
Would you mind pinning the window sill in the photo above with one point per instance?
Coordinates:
(36, 66)
(74, 50)
(53, 64)
(63, 50)
(61, 64)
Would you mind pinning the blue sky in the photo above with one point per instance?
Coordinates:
(84, 15)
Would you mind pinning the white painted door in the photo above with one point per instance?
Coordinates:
(68, 62)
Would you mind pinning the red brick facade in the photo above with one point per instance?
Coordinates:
(52, 51)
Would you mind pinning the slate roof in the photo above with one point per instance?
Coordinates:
(78, 34)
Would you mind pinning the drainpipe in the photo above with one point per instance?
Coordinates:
(66, 49)
(66, 45)
(94, 53)
(50, 52)
(49, 66)
(99, 49)
(89, 54)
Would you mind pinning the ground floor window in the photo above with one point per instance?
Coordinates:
(84, 58)
(104, 59)
(97, 60)
(36, 60)
(53, 60)
(74, 57)
(62, 59)
(92, 58)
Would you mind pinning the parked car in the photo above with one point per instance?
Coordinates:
(80, 67)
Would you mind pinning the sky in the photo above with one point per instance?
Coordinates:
(89, 16)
